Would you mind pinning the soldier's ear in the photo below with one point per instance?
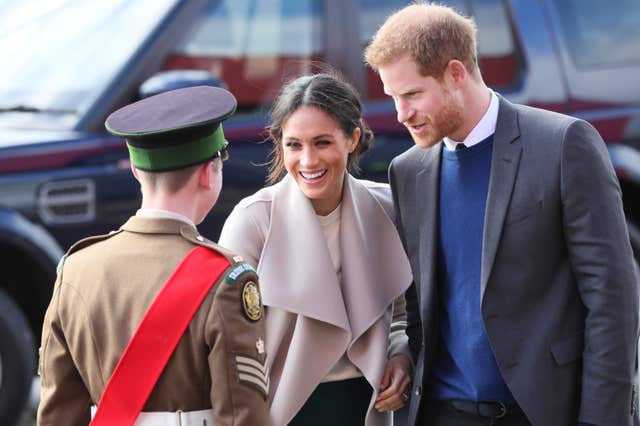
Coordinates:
(205, 173)
(134, 171)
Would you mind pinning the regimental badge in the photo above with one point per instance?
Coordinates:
(251, 301)
(238, 259)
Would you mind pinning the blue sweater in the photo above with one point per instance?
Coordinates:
(465, 367)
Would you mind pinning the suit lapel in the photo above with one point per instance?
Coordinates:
(504, 168)
(427, 196)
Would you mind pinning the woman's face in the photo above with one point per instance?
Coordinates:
(315, 155)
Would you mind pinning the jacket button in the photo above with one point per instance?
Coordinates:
(418, 390)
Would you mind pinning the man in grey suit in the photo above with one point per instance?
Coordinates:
(524, 308)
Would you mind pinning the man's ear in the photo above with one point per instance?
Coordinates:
(456, 73)
(134, 171)
(204, 172)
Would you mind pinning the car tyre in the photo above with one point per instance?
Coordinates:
(17, 360)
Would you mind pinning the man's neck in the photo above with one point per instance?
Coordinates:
(174, 203)
(476, 103)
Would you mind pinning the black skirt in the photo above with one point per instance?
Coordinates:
(342, 403)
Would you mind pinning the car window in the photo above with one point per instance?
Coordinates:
(593, 29)
(58, 55)
(253, 45)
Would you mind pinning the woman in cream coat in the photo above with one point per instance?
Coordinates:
(330, 264)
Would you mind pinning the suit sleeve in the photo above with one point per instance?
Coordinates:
(602, 262)
(412, 308)
(64, 399)
(237, 358)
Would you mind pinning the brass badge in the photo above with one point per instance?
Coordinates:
(251, 301)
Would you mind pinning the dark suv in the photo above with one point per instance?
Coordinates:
(67, 65)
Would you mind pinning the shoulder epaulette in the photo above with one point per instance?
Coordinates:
(192, 235)
(237, 268)
(83, 243)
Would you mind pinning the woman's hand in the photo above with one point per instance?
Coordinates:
(396, 384)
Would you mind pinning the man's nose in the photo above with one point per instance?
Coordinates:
(404, 111)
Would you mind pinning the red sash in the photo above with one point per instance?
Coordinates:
(157, 335)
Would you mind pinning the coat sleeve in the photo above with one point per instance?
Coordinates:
(237, 357)
(602, 261)
(242, 234)
(64, 399)
(398, 339)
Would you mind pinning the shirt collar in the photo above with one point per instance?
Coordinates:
(485, 127)
(164, 214)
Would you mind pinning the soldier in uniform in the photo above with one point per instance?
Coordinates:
(106, 285)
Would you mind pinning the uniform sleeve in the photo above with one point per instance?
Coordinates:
(64, 399)
(602, 262)
(242, 234)
(237, 360)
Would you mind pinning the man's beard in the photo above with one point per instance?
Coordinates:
(444, 123)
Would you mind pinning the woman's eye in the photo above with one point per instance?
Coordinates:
(323, 142)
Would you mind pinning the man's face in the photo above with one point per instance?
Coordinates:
(425, 105)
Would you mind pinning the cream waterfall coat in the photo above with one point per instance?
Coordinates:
(311, 321)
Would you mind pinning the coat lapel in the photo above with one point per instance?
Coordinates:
(375, 271)
(295, 260)
(504, 168)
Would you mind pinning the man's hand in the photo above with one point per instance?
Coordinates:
(396, 384)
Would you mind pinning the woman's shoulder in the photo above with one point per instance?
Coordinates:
(379, 190)
(258, 199)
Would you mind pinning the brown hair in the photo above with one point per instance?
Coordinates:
(173, 180)
(331, 94)
(431, 34)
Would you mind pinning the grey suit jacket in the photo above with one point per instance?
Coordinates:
(559, 293)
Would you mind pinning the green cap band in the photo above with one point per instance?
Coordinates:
(177, 156)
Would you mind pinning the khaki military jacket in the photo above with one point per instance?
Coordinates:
(103, 289)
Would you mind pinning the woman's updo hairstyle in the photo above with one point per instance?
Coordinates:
(328, 92)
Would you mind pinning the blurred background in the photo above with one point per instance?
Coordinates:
(67, 64)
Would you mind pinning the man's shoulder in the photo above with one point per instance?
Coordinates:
(80, 246)
(410, 158)
(538, 119)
